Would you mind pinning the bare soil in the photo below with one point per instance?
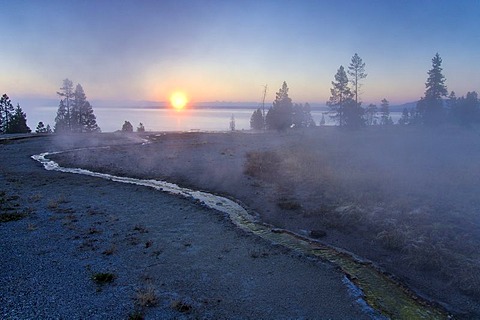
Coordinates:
(88, 248)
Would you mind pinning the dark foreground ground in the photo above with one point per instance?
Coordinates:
(404, 198)
(76, 247)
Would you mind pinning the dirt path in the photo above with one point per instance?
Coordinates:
(193, 261)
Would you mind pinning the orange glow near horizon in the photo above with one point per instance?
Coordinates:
(178, 100)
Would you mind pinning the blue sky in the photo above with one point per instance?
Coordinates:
(226, 50)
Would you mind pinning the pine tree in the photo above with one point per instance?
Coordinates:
(82, 118)
(18, 122)
(67, 94)
(6, 113)
(41, 128)
(301, 116)
(340, 97)
(430, 107)
(141, 128)
(74, 114)
(61, 120)
(127, 127)
(89, 118)
(256, 120)
(77, 117)
(356, 70)
(385, 118)
(279, 116)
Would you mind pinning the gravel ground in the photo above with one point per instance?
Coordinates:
(170, 257)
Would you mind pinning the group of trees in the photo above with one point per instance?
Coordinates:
(435, 108)
(345, 107)
(128, 127)
(12, 120)
(344, 102)
(75, 114)
(283, 114)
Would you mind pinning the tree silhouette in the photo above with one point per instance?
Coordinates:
(66, 93)
(279, 116)
(6, 113)
(127, 127)
(61, 119)
(74, 114)
(385, 118)
(18, 122)
(430, 107)
(301, 116)
(341, 98)
(141, 128)
(256, 120)
(465, 110)
(356, 70)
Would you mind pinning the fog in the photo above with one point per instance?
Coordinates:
(404, 197)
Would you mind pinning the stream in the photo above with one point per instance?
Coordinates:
(379, 294)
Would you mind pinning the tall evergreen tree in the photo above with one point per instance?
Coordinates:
(6, 113)
(18, 122)
(78, 102)
(356, 70)
(74, 114)
(67, 94)
(341, 96)
(90, 120)
(61, 120)
(385, 118)
(83, 119)
(256, 120)
(301, 116)
(279, 116)
(430, 107)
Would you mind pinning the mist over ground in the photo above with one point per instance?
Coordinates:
(403, 197)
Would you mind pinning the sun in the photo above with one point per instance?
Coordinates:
(178, 100)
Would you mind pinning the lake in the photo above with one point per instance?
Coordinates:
(164, 119)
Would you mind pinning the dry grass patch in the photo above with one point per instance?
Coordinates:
(181, 306)
(146, 297)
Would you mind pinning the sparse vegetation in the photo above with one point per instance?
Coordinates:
(10, 209)
(415, 195)
(140, 228)
(181, 306)
(146, 297)
(103, 277)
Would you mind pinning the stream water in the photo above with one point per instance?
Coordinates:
(380, 295)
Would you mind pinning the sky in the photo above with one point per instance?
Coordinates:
(227, 50)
